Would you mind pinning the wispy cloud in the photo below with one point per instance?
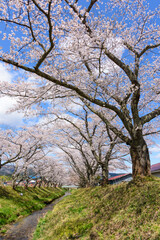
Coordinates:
(155, 148)
(13, 119)
(155, 153)
(5, 76)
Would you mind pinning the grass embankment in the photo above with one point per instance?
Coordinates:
(122, 212)
(22, 202)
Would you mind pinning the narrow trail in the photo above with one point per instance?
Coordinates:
(24, 229)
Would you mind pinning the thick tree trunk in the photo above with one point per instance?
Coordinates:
(104, 175)
(140, 158)
(92, 180)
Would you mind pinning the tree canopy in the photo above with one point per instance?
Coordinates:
(104, 52)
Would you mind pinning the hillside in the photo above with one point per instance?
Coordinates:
(22, 202)
(7, 170)
(125, 211)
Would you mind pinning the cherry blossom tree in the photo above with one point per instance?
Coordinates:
(106, 52)
(44, 170)
(90, 147)
(72, 150)
(19, 145)
(50, 172)
(22, 148)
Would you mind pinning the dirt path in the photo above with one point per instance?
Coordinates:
(24, 229)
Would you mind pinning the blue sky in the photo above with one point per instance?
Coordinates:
(16, 119)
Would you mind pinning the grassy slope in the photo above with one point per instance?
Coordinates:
(13, 205)
(125, 211)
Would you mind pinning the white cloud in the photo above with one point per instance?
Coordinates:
(5, 76)
(157, 156)
(13, 119)
(155, 148)
(155, 153)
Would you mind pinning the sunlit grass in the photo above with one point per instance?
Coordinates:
(122, 212)
(22, 202)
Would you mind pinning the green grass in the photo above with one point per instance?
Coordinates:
(14, 205)
(128, 211)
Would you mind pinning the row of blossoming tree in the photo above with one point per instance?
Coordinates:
(27, 151)
(104, 53)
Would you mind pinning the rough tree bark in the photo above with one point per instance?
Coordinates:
(104, 174)
(140, 158)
